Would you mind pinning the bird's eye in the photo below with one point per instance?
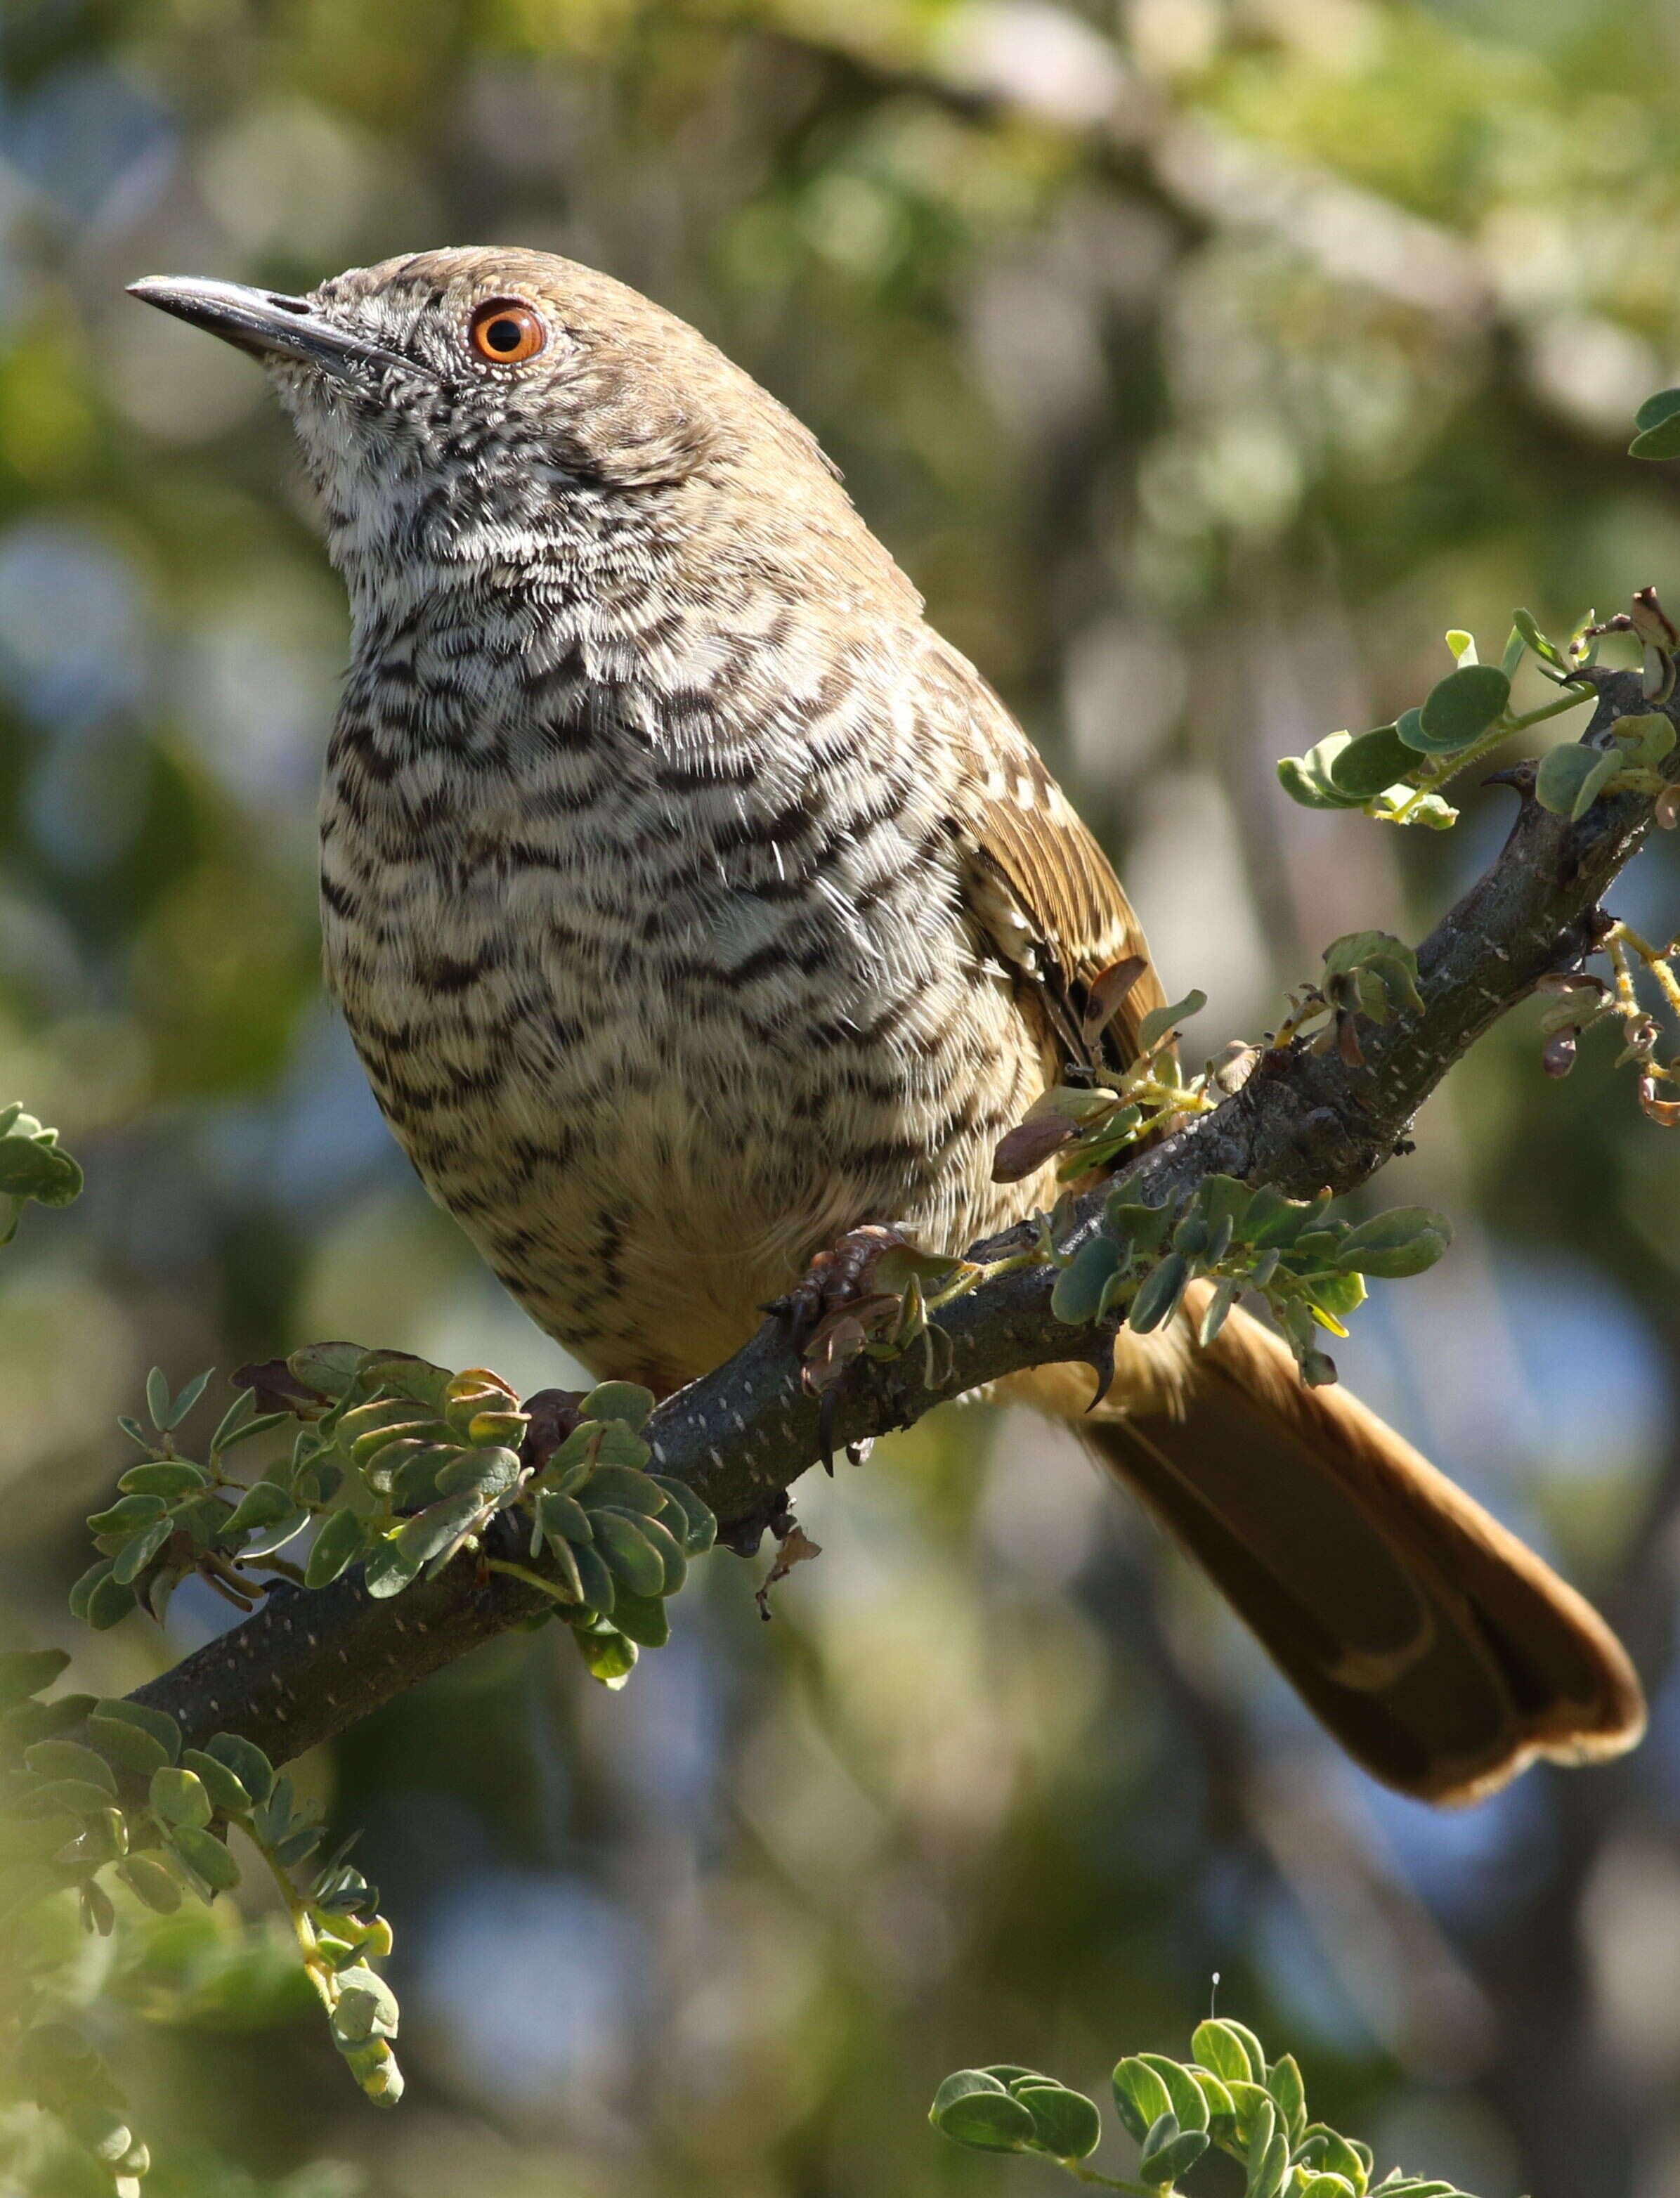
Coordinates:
(506, 331)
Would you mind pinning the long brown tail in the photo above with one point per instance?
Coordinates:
(1443, 1654)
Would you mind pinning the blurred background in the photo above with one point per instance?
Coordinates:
(1203, 361)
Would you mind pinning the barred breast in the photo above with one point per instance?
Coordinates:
(660, 964)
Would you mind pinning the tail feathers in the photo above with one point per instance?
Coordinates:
(1441, 1652)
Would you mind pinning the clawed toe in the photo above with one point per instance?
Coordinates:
(839, 1280)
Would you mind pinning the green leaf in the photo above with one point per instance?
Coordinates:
(1140, 2098)
(337, 1547)
(1405, 1240)
(66, 1759)
(84, 1587)
(1217, 1309)
(609, 1657)
(482, 1473)
(1306, 779)
(265, 1503)
(1078, 1295)
(1283, 2081)
(133, 1558)
(699, 1524)
(563, 1567)
(24, 1672)
(367, 2006)
(594, 1577)
(168, 1476)
(204, 1853)
(102, 1839)
(75, 1797)
(1458, 710)
(1189, 2103)
(277, 1534)
(108, 1602)
(389, 1570)
(1159, 1020)
(1253, 2106)
(178, 1797)
(619, 1400)
(975, 2109)
(1658, 421)
(157, 1397)
(226, 1791)
(1158, 1294)
(642, 1618)
(29, 1721)
(1326, 2151)
(189, 1397)
(626, 1487)
(1596, 780)
(127, 1514)
(246, 1761)
(1164, 2162)
(562, 1518)
(1462, 644)
(1335, 1297)
(155, 1726)
(1665, 405)
(1267, 2173)
(1373, 762)
(1647, 737)
(632, 1556)
(431, 1531)
(1220, 2105)
(1065, 2124)
(150, 1882)
(1564, 770)
(102, 2131)
(32, 1166)
(1547, 650)
(497, 1430)
(669, 1551)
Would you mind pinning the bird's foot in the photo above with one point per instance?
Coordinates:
(871, 1291)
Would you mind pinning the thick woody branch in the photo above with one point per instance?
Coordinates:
(308, 1665)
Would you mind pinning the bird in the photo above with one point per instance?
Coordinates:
(694, 906)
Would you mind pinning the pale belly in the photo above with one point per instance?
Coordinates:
(645, 1145)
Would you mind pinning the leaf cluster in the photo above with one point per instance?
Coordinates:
(1228, 2099)
(400, 1464)
(100, 1799)
(1308, 1264)
(1085, 1127)
(33, 1165)
(1394, 772)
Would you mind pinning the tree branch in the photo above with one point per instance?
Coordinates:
(308, 1665)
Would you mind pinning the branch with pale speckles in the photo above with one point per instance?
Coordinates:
(307, 1665)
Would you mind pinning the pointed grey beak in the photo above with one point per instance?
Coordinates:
(266, 324)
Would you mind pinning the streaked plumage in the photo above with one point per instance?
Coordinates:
(691, 902)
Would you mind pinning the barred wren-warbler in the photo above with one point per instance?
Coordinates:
(692, 904)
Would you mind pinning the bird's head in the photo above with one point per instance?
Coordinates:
(467, 405)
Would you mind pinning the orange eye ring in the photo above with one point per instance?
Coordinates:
(506, 331)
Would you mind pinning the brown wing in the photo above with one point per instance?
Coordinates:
(1046, 900)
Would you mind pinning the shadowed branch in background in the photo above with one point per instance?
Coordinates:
(309, 1664)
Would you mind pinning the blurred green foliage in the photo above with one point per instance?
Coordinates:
(1198, 359)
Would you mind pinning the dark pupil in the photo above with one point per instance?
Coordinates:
(505, 335)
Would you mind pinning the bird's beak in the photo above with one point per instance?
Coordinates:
(267, 323)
